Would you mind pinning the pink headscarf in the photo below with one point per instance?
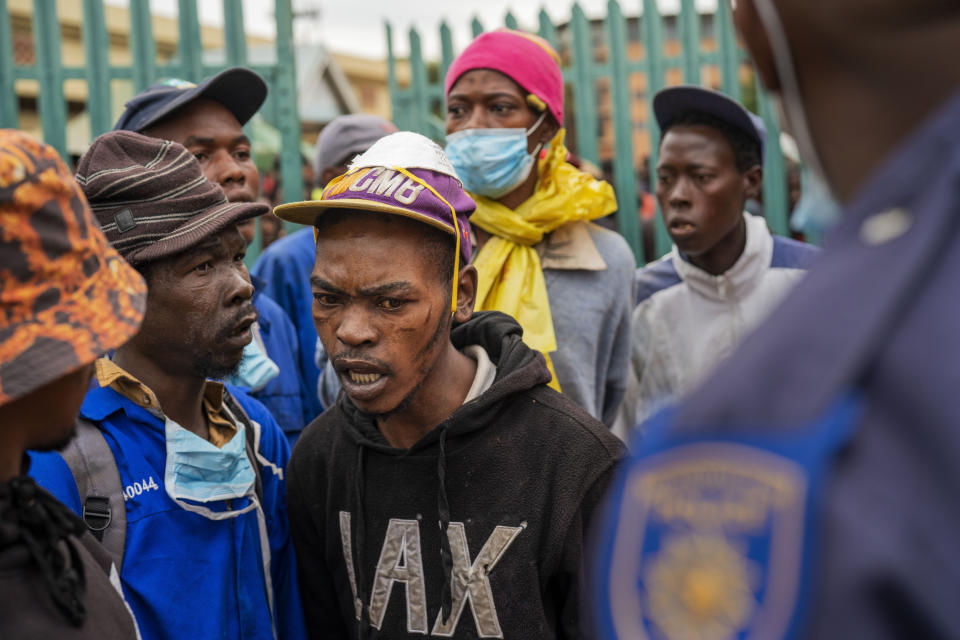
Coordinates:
(525, 58)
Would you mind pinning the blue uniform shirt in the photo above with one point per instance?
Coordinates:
(284, 395)
(285, 267)
(184, 575)
(808, 489)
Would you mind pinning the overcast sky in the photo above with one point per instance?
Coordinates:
(356, 26)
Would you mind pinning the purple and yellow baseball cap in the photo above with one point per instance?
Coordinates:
(404, 174)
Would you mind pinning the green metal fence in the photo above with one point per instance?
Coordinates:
(419, 106)
(50, 73)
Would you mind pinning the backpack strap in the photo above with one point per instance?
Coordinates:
(101, 492)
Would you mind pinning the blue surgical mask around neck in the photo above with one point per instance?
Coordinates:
(256, 368)
(817, 210)
(492, 162)
(198, 471)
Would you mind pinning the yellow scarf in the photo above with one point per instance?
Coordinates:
(511, 279)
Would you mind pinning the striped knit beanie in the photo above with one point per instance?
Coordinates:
(151, 198)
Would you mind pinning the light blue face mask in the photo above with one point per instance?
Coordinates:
(492, 162)
(817, 211)
(256, 368)
(198, 471)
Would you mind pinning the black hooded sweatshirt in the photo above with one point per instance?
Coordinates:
(513, 477)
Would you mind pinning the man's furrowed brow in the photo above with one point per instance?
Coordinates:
(400, 287)
(241, 139)
(319, 283)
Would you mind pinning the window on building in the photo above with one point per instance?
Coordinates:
(671, 28)
(598, 37)
(633, 29)
(707, 26)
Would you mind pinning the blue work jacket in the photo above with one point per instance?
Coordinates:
(283, 396)
(808, 488)
(285, 267)
(184, 575)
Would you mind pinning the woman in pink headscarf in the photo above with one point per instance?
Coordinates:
(569, 283)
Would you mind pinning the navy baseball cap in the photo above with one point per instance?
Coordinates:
(673, 102)
(239, 90)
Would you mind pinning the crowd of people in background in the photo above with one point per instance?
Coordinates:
(452, 404)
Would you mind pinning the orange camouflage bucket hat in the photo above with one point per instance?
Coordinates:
(66, 297)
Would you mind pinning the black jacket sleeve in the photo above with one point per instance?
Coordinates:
(321, 606)
(566, 586)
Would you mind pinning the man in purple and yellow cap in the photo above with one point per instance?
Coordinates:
(66, 297)
(445, 417)
(285, 265)
(569, 283)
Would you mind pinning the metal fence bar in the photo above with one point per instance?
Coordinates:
(234, 38)
(9, 117)
(288, 116)
(653, 57)
(190, 47)
(420, 109)
(624, 175)
(690, 42)
(585, 108)
(96, 45)
(398, 113)
(446, 50)
(729, 52)
(547, 31)
(53, 111)
(142, 46)
(774, 182)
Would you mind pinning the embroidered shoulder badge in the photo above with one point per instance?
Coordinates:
(709, 543)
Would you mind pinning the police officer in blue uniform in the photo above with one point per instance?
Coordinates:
(809, 488)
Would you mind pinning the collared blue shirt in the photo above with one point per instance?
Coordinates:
(863, 354)
(184, 575)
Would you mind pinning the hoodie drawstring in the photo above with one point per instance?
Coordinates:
(363, 625)
(443, 507)
(359, 540)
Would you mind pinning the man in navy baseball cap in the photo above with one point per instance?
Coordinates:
(207, 119)
(671, 104)
(726, 270)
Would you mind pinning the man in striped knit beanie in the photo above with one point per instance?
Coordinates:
(195, 480)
